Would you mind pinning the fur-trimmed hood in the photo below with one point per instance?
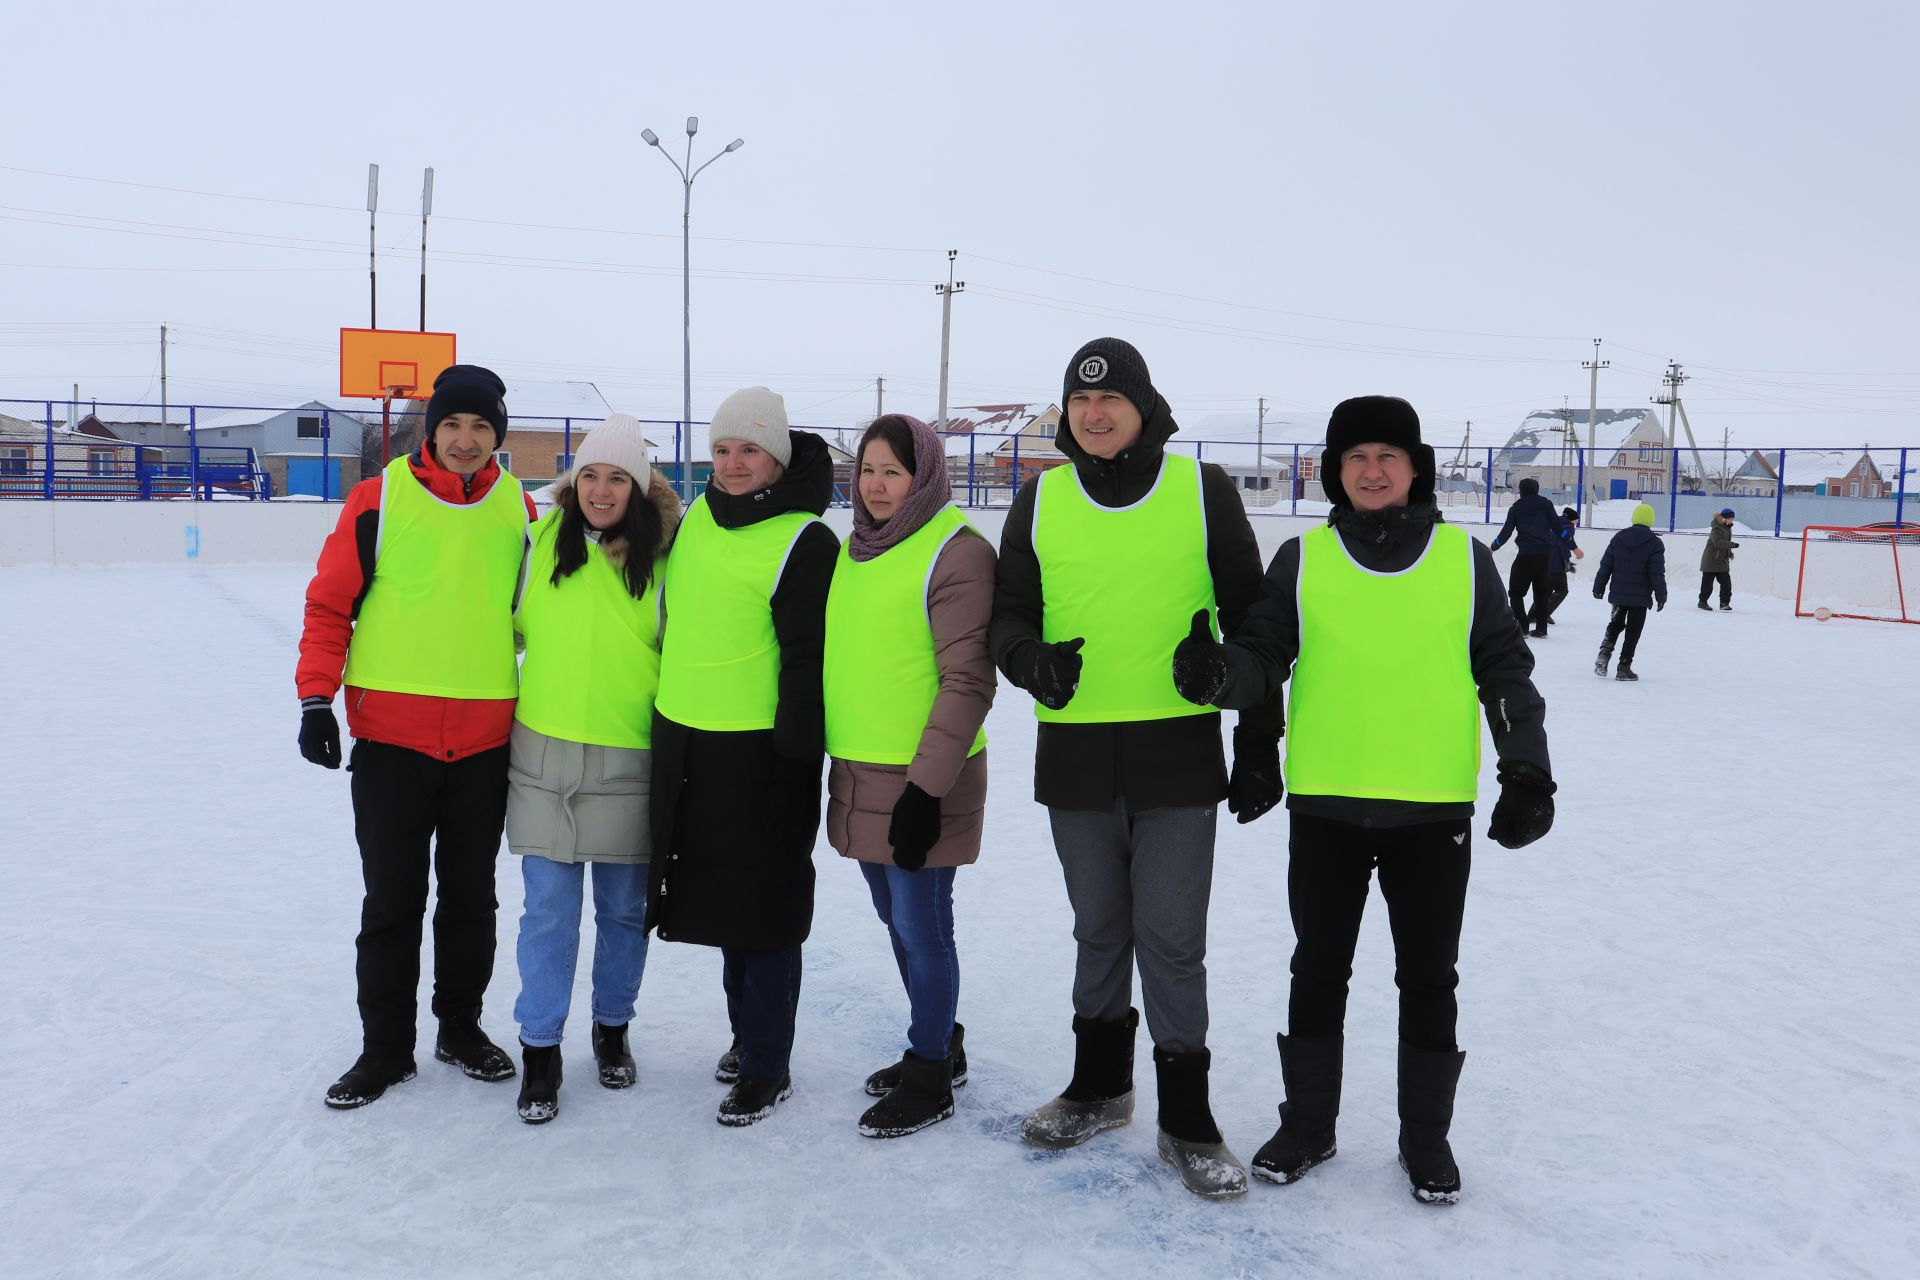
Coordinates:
(665, 501)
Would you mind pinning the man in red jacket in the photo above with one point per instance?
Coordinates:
(411, 605)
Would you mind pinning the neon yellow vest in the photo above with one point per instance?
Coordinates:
(438, 615)
(1129, 579)
(880, 676)
(1383, 703)
(593, 651)
(720, 664)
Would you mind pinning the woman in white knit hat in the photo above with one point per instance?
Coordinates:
(580, 767)
(739, 735)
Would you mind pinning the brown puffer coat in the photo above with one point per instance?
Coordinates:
(860, 797)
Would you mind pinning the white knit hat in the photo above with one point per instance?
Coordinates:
(758, 416)
(621, 442)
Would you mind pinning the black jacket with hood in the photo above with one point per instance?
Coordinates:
(733, 829)
(1150, 764)
(1260, 658)
(1535, 524)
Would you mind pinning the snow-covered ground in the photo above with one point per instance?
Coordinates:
(1689, 1012)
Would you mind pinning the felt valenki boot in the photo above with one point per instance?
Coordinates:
(1100, 1095)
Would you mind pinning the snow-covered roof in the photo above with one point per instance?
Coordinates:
(1541, 431)
(1236, 455)
(1309, 433)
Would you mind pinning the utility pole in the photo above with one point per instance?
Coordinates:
(879, 396)
(1594, 366)
(426, 207)
(163, 386)
(946, 292)
(373, 279)
(1260, 450)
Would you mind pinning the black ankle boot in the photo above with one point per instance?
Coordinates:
(540, 1087)
(923, 1097)
(1310, 1067)
(370, 1076)
(462, 1043)
(611, 1054)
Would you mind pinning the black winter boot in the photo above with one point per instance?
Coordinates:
(462, 1043)
(540, 1087)
(1100, 1095)
(370, 1076)
(1428, 1079)
(887, 1079)
(752, 1099)
(611, 1053)
(1311, 1068)
(1624, 671)
(922, 1097)
(1606, 656)
(1189, 1139)
(727, 1070)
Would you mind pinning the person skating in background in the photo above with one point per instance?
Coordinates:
(1633, 576)
(1387, 625)
(411, 606)
(580, 756)
(1716, 561)
(908, 685)
(739, 734)
(1102, 564)
(1569, 552)
(1539, 554)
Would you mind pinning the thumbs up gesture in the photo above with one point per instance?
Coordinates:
(1200, 663)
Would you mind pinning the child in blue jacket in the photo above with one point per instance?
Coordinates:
(1635, 564)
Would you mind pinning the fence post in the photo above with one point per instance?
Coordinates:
(1673, 488)
(1016, 469)
(1900, 491)
(1294, 482)
(193, 456)
(1580, 475)
(46, 484)
(326, 455)
(1488, 477)
(1779, 492)
(566, 441)
(973, 483)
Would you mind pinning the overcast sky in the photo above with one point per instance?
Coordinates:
(1297, 201)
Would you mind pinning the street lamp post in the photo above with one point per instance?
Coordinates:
(687, 174)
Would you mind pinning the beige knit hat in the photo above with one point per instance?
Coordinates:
(758, 416)
(619, 441)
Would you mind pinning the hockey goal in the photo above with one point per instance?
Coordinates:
(1855, 571)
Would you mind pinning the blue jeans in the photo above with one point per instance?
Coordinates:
(917, 908)
(549, 945)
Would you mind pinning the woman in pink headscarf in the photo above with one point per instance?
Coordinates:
(907, 686)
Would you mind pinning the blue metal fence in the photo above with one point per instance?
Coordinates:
(49, 451)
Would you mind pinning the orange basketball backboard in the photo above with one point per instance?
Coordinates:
(375, 361)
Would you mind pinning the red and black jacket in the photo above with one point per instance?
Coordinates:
(444, 728)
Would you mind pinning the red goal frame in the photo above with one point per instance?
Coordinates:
(1858, 533)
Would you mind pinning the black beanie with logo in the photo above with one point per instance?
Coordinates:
(468, 388)
(1376, 420)
(1110, 364)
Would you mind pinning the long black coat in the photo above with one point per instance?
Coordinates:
(735, 814)
(1634, 569)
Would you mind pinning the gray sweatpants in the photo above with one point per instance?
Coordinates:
(1140, 883)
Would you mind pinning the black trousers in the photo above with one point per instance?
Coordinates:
(1724, 578)
(763, 995)
(1556, 592)
(410, 809)
(1630, 618)
(1528, 572)
(1423, 877)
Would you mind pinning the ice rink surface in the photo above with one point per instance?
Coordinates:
(1689, 1012)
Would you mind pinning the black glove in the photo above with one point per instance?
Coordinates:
(1733, 544)
(1524, 811)
(1200, 668)
(1596, 593)
(793, 804)
(1255, 785)
(1659, 606)
(914, 829)
(1050, 672)
(319, 733)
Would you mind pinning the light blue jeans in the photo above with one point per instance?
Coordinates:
(549, 946)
